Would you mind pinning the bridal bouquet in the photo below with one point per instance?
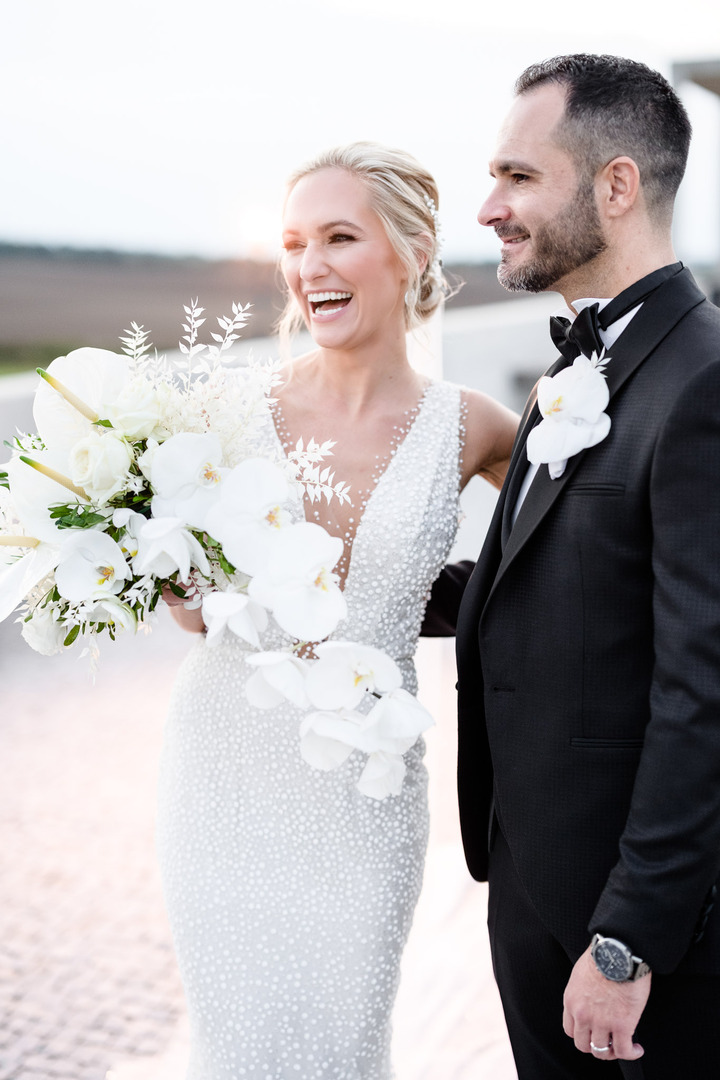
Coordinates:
(145, 475)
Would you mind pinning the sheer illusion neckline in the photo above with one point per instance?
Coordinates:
(331, 515)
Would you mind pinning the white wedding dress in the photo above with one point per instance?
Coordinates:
(290, 894)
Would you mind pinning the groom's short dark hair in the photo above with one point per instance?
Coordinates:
(619, 108)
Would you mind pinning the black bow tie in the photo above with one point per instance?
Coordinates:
(583, 334)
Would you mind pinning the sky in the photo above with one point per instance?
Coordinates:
(170, 127)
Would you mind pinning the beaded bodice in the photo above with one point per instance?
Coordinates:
(402, 531)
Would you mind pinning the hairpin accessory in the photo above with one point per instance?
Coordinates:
(439, 238)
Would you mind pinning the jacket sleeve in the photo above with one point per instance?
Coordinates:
(670, 848)
(444, 603)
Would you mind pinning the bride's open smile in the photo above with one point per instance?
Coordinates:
(338, 262)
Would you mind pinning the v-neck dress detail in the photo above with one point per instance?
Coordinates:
(344, 521)
(290, 894)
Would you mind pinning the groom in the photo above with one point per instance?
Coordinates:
(589, 633)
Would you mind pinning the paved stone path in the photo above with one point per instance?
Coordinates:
(88, 984)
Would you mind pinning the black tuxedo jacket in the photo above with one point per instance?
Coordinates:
(589, 658)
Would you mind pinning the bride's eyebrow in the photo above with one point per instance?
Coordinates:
(340, 224)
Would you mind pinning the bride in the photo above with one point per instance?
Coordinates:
(290, 893)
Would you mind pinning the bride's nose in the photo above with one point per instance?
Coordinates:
(313, 264)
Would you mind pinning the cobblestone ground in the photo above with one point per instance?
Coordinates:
(87, 973)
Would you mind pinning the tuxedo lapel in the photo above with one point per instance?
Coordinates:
(483, 575)
(659, 314)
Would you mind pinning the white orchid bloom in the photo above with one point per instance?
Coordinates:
(236, 611)
(395, 723)
(132, 525)
(166, 546)
(572, 404)
(108, 608)
(327, 739)
(387, 732)
(345, 671)
(383, 775)
(95, 377)
(100, 463)
(249, 513)
(185, 473)
(298, 584)
(90, 563)
(279, 677)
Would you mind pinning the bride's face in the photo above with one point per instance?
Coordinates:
(339, 264)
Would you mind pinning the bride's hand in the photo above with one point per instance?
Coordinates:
(189, 619)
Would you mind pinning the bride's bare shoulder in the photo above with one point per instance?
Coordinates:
(490, 429)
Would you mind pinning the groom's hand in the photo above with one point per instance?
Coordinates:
(603, 1012)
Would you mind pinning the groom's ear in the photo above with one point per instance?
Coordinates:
(617, 187)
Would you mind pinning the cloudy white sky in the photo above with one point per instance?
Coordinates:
(168, 126)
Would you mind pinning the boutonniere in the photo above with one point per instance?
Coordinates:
(572, 404)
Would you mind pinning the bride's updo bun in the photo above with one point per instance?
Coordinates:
(405, 197)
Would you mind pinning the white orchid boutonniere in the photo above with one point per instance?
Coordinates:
(573, 405)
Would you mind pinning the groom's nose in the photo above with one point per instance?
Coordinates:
(494, 209)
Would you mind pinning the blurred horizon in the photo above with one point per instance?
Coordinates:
(168, 129)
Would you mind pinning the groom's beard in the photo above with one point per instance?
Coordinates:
(569, 241)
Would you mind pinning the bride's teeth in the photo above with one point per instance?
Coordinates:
(320, 297)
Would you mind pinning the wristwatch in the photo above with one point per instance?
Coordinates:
(615, 961)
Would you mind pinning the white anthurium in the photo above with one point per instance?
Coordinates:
(383, 775)
(242, 616)
(249, 513)
(43, 632)
(100, 464)
(298, 584)
(279, 676)
(34, 492)
(95, 377)
(90, 563)
(166, 546)
(327, 739)
(345, 671)
(185, 473)
(22, 576)
(137, 409)
(572, 405)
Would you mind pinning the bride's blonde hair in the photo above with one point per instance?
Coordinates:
(405, 197)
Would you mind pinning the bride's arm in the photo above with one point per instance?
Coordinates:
(189, 619)
(489, 435)
(490, 430)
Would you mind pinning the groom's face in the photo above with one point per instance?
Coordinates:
(542, 210)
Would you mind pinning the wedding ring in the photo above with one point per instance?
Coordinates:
(600, 1049)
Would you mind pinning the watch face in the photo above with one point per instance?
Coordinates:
(613, 960)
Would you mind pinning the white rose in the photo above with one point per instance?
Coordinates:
(99, 464)
(44, 633)
(136, 410)
(145, 461)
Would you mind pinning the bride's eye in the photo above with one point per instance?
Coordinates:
(339, 238)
